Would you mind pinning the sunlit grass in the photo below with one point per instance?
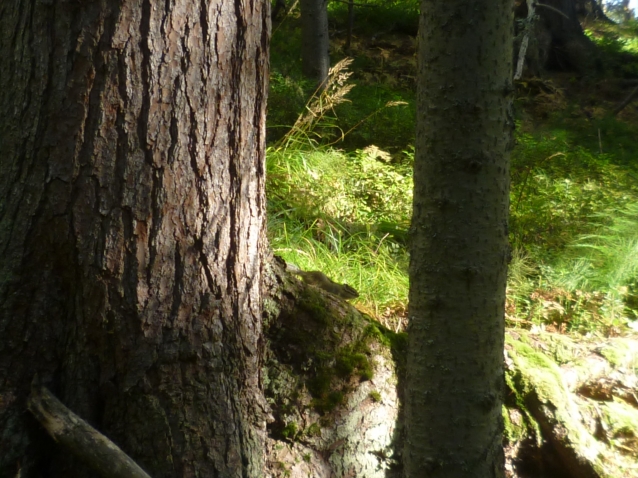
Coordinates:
(346, 212)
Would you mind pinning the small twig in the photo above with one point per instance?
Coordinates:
(626, 102)
(516, 319)
(552, 8)
(286, 14)
(600, 142)
(525, 41)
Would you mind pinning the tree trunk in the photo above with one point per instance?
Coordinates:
(132, 230)
(569, 48)
(314, 39)
(459, 247)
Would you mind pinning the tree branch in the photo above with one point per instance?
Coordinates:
(77, 436)
(552, 8)
(625, 102)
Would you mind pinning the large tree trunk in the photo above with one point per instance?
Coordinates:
(570, 48)
(314, 39)
(459, 240)
(132, 230)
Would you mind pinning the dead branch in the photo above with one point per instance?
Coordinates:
(80, 438)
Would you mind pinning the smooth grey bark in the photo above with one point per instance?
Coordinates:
(314, 39)
(459, 250)
(132, 230)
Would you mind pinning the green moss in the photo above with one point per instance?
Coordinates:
(350, 363)
(375, 396)
(541, 374)
(536, 378)
(367, 373)
(515, 425)
(319, 385)
(622, 423)
(332, 367)
(284, 469)
(620, 353)
(328, 402)
(329, 351)
(312, 302)
(334, 398)
(396, 342)
(290, 431)
(314, 430)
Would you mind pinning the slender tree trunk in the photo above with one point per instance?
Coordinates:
(132, 230)
(314, 38)
(460, 246)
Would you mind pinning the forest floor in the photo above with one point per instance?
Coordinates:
(340, 191)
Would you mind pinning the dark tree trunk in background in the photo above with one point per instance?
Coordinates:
(459, 249)
(591, 10)
(558, 41)
(279, 10)
(314, 39)
(624, 11)
(132, 230)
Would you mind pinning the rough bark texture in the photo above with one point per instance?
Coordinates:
(131, 230)
(459, 248)
(314, 38)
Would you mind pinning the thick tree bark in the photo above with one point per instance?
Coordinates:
(132, 230)
(314, 38)
(459, 247)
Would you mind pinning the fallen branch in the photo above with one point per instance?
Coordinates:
(625, 102)
(529, 21)
(80, 438)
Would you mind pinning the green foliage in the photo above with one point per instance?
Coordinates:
(347, 212)
(391, 127)
(368, 117)
(379, 15)
(558, 187)
(618, 47)
(346, 215)
(572, 227)
(289, 96)
(315, 123)
(290, 431)
(375, 396)
(608, 259)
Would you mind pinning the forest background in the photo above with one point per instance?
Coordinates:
(339, 201)
(340, 173)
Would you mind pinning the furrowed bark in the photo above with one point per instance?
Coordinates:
(132, 231)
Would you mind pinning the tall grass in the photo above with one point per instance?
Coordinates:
(608, 259)
(343, 214)
(574, 215)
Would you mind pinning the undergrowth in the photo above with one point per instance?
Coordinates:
(574, 196)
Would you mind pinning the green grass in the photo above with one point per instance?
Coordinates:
(364, 116)
(574, 196)
(324, 217)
